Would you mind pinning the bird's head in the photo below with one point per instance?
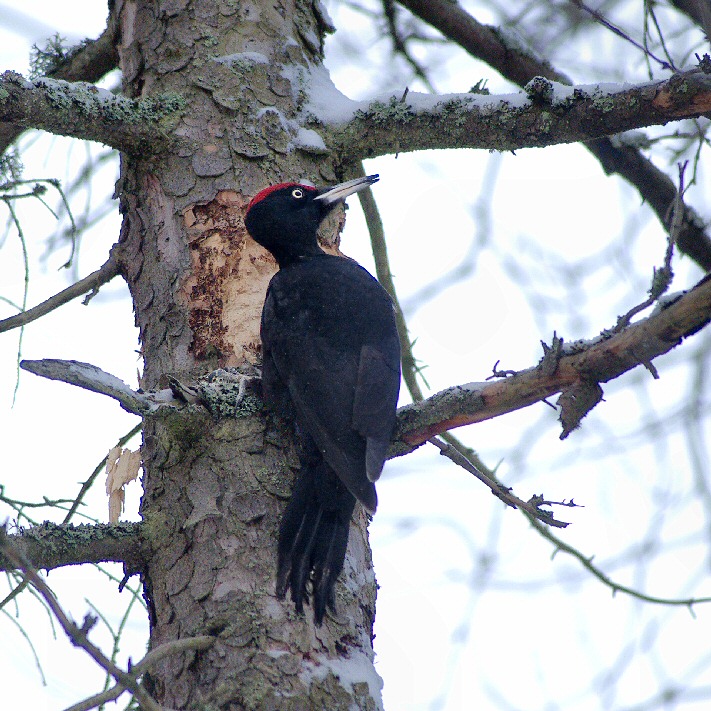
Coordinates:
(285, 218)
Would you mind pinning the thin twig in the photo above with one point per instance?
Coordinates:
(26, 286)
(146, 664)
(382, 270)
(616, 30)
(99, 468)
(661, 281)
(400, 43)
(615, 587)
(101, 276)
(504, 493)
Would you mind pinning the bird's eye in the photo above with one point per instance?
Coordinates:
(297, 193)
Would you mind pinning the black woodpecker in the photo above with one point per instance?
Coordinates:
(332, 364)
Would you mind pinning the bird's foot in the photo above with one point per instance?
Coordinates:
(232, 392)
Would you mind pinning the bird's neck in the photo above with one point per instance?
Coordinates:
(286, 257)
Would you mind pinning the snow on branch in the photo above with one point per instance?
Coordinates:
(575, 370)
(90, 61)
(544, 113)
(85, 111)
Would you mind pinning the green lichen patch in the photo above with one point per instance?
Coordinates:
(229, 392)
(91, 101)
(392, 111)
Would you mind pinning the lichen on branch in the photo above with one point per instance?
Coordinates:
(85, 111)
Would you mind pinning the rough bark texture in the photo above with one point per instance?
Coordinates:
(214, 489)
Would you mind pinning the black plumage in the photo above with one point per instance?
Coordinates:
(332, 359)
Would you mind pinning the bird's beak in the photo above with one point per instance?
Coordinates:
(330, 196)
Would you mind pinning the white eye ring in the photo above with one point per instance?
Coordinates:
(297, 193)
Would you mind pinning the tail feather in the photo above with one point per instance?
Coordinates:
(313, 537)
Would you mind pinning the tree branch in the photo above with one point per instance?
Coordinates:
(101, 276)
(587, 563)
(84, 111)
(699, 11)
(545, 114)
(90, 63)
(90, 377)
(575, 370)
(520, 65)
(532, 508)
(94, 59)
(52, 545)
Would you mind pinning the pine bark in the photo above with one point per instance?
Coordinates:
(215, 488)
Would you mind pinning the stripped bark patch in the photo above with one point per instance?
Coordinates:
(230, 274)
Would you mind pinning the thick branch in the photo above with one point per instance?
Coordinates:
(580, 366)
(546, 114)
(85, 111)
(94, 60)
(51, 545)
(505, 54)
(699, 11)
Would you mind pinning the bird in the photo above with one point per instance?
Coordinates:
(331, 364)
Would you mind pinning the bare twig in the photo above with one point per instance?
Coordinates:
(587, 563)
(616, 30)
(385, 277)
(532, 507)
(89, 283)
(400, 43)
(146, 664)
(663, 276)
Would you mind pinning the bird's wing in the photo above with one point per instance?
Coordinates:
(322, 386)
(375, 402)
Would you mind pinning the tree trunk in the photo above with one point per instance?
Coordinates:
(215, 488)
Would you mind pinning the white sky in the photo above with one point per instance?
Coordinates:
(440, 643)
